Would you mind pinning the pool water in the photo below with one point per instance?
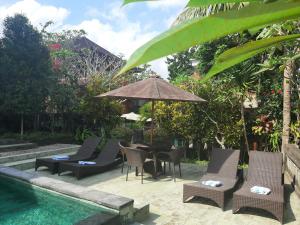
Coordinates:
(23, 204)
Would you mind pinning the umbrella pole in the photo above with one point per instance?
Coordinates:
(152, 123)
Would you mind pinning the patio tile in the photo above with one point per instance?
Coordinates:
(165, 199)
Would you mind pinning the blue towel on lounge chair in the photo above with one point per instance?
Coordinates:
(86, 163)
(60, 157)
(260, 190)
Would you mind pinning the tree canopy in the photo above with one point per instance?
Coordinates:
(25, 67)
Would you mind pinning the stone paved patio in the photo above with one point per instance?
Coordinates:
(165, 199)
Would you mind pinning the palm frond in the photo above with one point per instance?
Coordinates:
(191, 13)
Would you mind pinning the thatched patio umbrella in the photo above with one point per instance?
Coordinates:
(152, 89)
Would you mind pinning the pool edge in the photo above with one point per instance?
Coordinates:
(117, 203)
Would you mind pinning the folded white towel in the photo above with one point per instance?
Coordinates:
(60, 157)
(212, 183)
(260, 190)
(86, 163)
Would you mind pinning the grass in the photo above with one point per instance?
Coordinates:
(243, 166)
(205, 162)
(197, 162)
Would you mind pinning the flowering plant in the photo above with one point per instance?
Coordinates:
(55, 47)
(264, 125)
(269, 131)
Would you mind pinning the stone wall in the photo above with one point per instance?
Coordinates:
(293, 166)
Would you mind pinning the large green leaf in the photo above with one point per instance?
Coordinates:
(238, 54)
(197, 3)
(131, 1)
(200, 3)
(201, 30)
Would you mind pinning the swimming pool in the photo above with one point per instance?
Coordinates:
(24, 204)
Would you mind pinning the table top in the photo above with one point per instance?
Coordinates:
(141, 146)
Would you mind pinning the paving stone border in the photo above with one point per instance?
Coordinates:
(39, 149)
(123, 205)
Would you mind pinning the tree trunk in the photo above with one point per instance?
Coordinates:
(244, 126)
(288, 73)
(152, 122)
(221, 141)
(52, 122)
(38, 122)
(22, 126)
(197, 148)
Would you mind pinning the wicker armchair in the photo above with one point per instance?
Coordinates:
(135, 158)
(173, 157)
(123, 145)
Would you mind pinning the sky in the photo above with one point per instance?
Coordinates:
(120, 30)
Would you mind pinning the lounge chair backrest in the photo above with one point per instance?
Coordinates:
(88, 147)
(265, 167)
(224, 162)
(135, 157)
(109, 152)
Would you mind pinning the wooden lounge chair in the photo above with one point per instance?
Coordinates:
(85, 152)
(107, 159)
(222, 167)
(265, 169)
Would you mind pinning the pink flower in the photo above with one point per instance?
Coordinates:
(55, 47)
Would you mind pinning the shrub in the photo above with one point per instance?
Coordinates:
(81, 135)
(160, 135)
(124, 133)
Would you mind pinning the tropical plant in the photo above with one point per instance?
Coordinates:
(98, 113)
(83, 134)
(268, 132)
(286, 62)
(83, 74)
(124, 133)
(240, 76)
(185, 35)
(200, 123)
(252, 16)
(64, 92)
(145, 111)
(206, 10)
(181, 64)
